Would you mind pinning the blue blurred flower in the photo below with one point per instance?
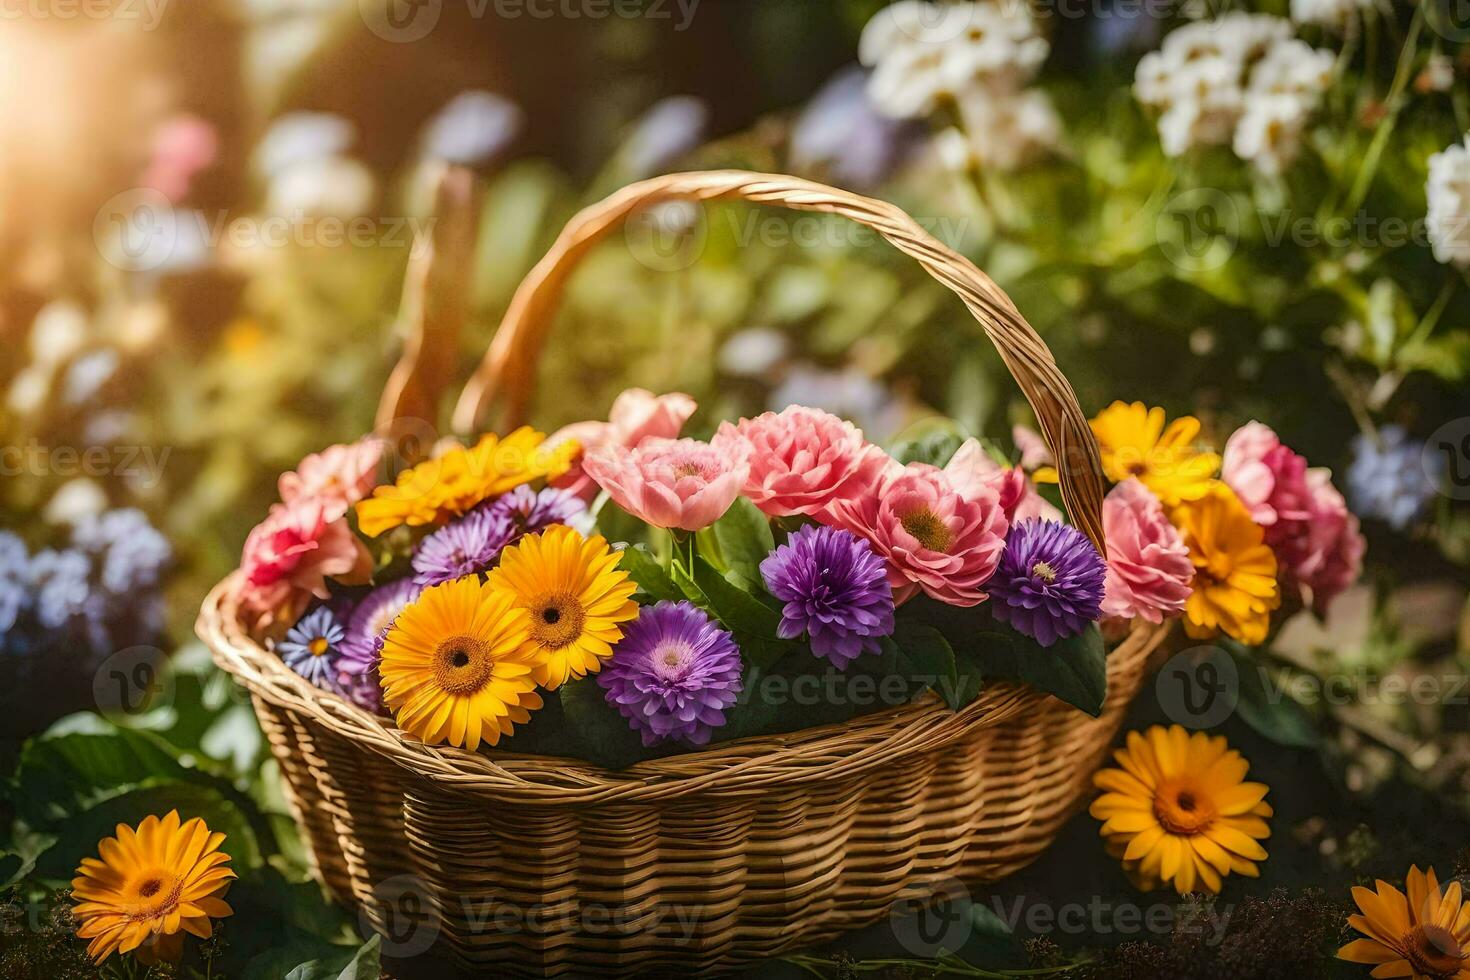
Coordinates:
(840, 134)
(15, 597)
(1391, 478)
(132, 552)
(472, 128)
(61, 584)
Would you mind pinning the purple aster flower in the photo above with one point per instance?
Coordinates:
(836, 591)
(531, 511)
(673, 674)
(312, 648)
(369, 623)
(1049, 583)
(468, 545)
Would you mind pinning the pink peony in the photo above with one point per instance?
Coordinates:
(972, 467)
(636, 415)
(802, 459)
(682, 483)
(1149, 569)
(933, 537)
(337, 477)
(1270, 480)
(290, 555)
(1329, 558)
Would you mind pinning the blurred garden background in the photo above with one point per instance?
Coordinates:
(209, 210)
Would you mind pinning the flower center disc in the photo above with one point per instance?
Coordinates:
(1182, 811)
(1434, 952)
(462, 665)
(1044, 571)
(926, 528)
(556, 620)
(157, 894)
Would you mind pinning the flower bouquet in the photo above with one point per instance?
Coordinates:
(774, 678)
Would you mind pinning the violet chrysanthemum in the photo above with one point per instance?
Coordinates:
(313, 648)
(1049, 583)
(466, 546)
(369, 623)
(531, 511)
(673, 675)
(836, 592)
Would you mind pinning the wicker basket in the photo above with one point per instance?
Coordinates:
(514, 864)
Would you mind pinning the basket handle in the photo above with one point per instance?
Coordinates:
(507, 373)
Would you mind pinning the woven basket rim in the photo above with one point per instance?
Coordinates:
(744, 767)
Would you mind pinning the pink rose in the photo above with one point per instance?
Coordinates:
(1330, 556)
(1269, 479)
(337, 477)
(933, 537)
(1149, 569)
(289, 556)
(802, 459)
(682, 483)
(636, 415)
(972, 467)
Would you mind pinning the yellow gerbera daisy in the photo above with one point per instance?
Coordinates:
(454, 666)
(1235, 586)
(1178, 810)
(576, 597)
(1134, 442)
(452, 483)
(1424, 935)
(152, 884)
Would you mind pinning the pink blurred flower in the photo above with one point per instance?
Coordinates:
(1270, 480)
(636, 415)
(676, 483)
(337, 477)
(1034, 451)
(1329, 557)
(933, 537)
(182, 147)
(972, 467)
(1307, 523)
(802, 459)
(1149, 569)
(289, 556)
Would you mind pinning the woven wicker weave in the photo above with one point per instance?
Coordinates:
(700, 862)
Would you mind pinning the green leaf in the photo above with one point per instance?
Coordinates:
(602, 734)
(652, 578)
(738, 609)
(1074, 669)
(932, 440)
(616, 524)
(364, 965)
(752, 713)
(740, 541)
(1270, 711)
(933, 659)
